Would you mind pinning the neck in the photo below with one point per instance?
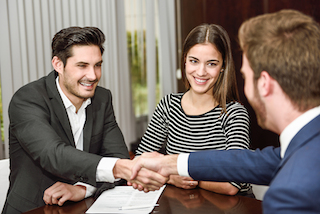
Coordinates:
(196, 104)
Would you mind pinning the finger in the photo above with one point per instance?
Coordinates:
(135, 169)
(63, 199)
(134, 185)
(56, 197)
(47, 195)
(143, 187)
(150, 177)
(47, 198)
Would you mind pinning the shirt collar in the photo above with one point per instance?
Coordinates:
(66, 102)
(294, 127)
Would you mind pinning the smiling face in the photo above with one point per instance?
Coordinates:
(202, 66)
(79, 78)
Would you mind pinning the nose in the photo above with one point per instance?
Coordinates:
(91, 74)
(201, 71)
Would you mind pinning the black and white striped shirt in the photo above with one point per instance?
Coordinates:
(182, 133)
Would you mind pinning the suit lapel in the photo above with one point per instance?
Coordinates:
(301, 138)
(87, 130)
(58, 106)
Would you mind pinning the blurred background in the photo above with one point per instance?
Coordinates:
(143, 48)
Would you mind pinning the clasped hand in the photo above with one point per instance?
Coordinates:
(145, 179)
(138, 174)
(161, 165)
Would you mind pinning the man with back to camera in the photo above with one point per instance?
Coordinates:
(63, 134)
(281, 69)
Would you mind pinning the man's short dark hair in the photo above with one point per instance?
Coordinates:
(66, 38)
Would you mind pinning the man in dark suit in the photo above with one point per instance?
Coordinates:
(63, 134)
(281, 69)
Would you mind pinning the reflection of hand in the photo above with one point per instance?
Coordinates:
(223, 202)
(189, 198)
(145, 179)
(73, 208)
(183, 182)
(60, 192)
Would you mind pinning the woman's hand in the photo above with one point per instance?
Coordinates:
(182, 182)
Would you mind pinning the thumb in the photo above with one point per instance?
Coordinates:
(135, 169)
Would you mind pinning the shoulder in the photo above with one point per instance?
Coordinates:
(236, 108)
(173, 97)
(169, 99)
(32, 90)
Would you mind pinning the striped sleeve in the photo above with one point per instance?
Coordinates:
(157, 130)
(236, 127)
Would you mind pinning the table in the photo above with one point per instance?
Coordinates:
(175, 201)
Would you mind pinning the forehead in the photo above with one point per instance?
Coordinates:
(206, 49)
(86, 53)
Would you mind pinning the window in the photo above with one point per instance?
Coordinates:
(136, 38)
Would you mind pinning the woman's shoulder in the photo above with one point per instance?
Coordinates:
(172, 98)
(235, 107)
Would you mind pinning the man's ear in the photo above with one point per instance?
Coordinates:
(57, 64)
(265, 84)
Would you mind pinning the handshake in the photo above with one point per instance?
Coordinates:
(147, 172)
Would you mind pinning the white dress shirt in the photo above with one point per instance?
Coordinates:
(294, 127)
(286, 136)
(77, 120)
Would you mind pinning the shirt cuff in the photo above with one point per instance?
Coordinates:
(182, 164)
(90, 190)
(105, 170)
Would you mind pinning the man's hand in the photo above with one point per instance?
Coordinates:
(145, 180)
(60, 192)
(164, 165)
(182, 182)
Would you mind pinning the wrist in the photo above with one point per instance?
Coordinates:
(170, 164)
(121, 169)
(82, 190)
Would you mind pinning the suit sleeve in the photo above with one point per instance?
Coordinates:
(32, 129)
(246, 166)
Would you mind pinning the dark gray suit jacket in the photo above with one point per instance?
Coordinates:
(42, 149)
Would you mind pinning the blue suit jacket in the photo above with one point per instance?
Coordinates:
(293, 180)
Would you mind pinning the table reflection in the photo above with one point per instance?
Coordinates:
(68, 208)
(175, 201)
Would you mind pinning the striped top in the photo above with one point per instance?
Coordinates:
(184, 133)
(171, 127)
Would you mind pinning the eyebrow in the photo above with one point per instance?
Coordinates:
(86, 63)
(82, 63)
(212, 60)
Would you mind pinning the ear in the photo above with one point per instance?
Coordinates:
(265, 84)
(57, 64)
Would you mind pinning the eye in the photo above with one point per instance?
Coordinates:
(193, 61)
(212, 64)
(81, 65)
